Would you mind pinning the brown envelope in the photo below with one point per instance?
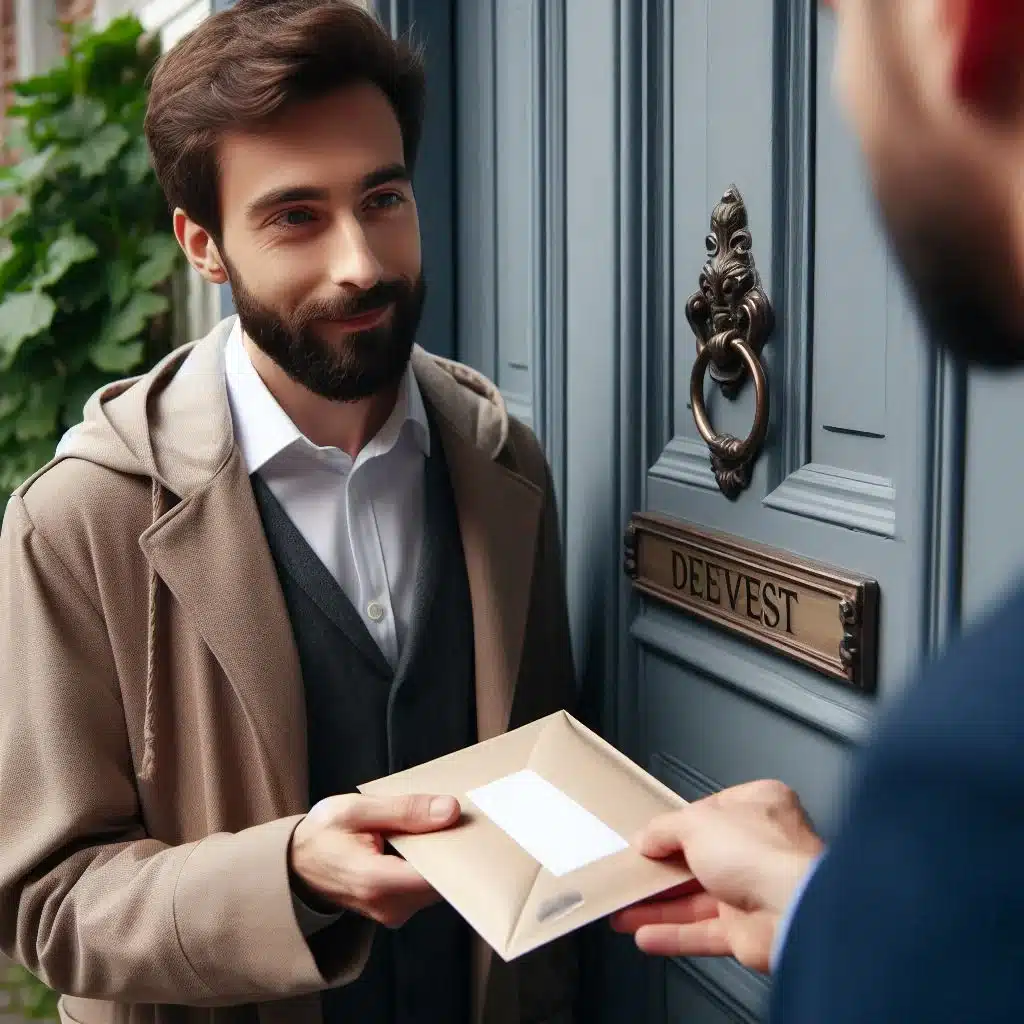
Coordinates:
(507, 894)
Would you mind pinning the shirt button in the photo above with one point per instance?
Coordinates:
(375, 610)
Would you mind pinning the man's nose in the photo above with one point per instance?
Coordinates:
(353, 262)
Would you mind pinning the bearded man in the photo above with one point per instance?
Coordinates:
(300, 554)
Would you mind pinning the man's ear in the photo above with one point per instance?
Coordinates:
(199, 247)
(988, 36)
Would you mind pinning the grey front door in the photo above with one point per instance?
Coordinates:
(851, 470)
(596, 138)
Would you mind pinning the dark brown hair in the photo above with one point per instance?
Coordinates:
(246, 64)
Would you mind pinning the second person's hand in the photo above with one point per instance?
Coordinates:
(749, 848)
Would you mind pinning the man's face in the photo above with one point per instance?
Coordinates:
(936, 181)
(320, 241)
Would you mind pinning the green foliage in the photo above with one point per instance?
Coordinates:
(29, 997)
(87, 258)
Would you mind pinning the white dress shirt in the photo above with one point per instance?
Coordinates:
(363, 517)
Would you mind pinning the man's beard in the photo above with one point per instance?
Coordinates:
(950, 259)
(363, 364)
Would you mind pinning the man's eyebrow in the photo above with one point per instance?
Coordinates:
(309, 193)
(280, 196)
(385, 175)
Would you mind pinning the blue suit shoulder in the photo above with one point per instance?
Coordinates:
(917, 911)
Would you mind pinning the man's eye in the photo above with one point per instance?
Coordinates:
(293, 218)
(385, 200)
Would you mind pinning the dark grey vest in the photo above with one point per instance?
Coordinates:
(365, 720)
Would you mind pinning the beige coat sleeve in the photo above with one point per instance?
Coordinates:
(87, 901)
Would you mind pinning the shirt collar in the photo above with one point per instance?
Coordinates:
(263, 429)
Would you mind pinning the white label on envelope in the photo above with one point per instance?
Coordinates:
(550, 826)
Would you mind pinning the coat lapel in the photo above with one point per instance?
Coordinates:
(499, 518)
(210, 550)
(433, 556)
(211, 553)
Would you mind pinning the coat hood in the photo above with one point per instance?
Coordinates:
(173, 424)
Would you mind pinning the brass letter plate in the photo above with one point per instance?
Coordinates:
(822, 617)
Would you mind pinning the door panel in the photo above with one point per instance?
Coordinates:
(718, 733)
(993, 554)
(517, 105)
(509, 201)
(700, 992)
(717, 86)
(847, 473)
(595, 139)
(848, 414)
(837, 481)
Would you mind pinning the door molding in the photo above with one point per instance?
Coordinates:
(432, 24)
(943, 512)
(511, 231)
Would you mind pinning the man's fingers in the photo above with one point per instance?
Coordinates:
(701, 938)
(683, 910)
(389, 891)
(385, 877)
(668, 834)
(411, 814)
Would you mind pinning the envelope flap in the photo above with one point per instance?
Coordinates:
(600, 778)
(603, 781)
(571, 800)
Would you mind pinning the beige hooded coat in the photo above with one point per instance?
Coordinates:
(152, 723)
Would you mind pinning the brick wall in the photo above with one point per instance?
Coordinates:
(8, 44)
(8, 74)
(74, 10)
(8, 50)
(67, 10)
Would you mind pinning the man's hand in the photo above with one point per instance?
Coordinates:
(749, 847)
(337, 854)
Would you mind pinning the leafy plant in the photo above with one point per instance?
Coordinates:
(87, 257)
(29, 997)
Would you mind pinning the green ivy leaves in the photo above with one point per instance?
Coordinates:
(136, 161)
(161, 255)
(22, 316)
(87, 256)
(62, 255)
(78, 120)
(37, 418)
(95, 155)
(24, 177)
(117, 350)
